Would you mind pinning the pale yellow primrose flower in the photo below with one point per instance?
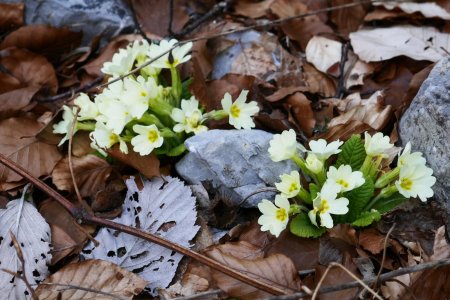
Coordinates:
(345, 178)
(189, 117)
(148, 138)
(416, 180)
(326, 204)
(121, 63)
(289, 185)
(275, 216)
(240, 113)
(322, 150)
(140, 50)
(314, 164)
(117, 115)
(105, 138)
(178, 55)
(88, 109)
(408, 158)
(283, 146)
(377, 144)
(63, 127)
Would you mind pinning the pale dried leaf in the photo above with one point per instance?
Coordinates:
(419, 43)
(323, 53)
(428, 9)
(318, 82)
(90, 172)
(103, 278)
(276, 270)
(18, 143)
(163, 207)
(33, 235)
(357, 73)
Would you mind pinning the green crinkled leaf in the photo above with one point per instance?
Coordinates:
(366, 218)
(385, 205)
(301, 226)
(353, 153)
(358, 199)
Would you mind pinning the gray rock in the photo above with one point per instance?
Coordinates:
(236, 162)
(426, 124)
(92, 17)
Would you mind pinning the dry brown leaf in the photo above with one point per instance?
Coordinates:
(284, 92)
(147, 165)
(428, 10)
(42, 39)
(16, 100)
(357, 73)
(301, 29)
(90, 172)
(319, 83)
(371, 240)
(300, 107)
(371, 112)
(111, 197)
(81, 144)
(11, 16)
(67, 235)
(345, 131)
(324, 54)
(347, 19)
(153, 16)
(18, 143)
(94, 275)
(252, 9)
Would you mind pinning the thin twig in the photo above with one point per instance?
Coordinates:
(169, 29)
(384, 277)
(72, 92)
(200, 295)
(216, 10)
(75, 287)
(85, 217)
(384, 253)
(341, 84)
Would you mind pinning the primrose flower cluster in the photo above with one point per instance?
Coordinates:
(144, 111)
(350, 188)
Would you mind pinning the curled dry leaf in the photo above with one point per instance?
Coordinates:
(11, 16)
(18, 142)
(357, 73)
(428, 10)
(419, 43)
(345, 131)
(371, 240)
(147, 165)
(324, 53)
(90, 172)
(276, 270)
(43, 39)
(318, 82)
(91, 279)
(347, 19)
(300, 107)
(252, 9)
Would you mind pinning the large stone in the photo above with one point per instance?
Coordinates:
(235, 162)
(93, 17)
(426, 124)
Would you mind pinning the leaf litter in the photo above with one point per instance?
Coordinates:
(284, 69)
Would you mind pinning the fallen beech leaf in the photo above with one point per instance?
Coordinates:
(251, 9)
(110, 280)
(284, 92)
(81, 144)
(18, 143)
(68, 237)
(16, 100)
(147, 165)
(357, 73)
(301, 109)
(153, 16)
(318, 82)
(30, 69)
(419, 43)
(324, 53)
(163, 207)
(276, 270)
(429, 10)
(347, 19)
(33, 235)
(301, 29)
(345, 131)
(110, 197)
(371, 240)
(90, 172)
(43, 39)
(11, 16)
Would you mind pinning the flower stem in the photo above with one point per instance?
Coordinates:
(366, 166)
(216, 115)
(384, 193)
(304, 196)
(176, 86)
(387, 178)
(374, 168)
(89, 126)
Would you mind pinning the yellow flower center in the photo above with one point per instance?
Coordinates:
(324, 206)
(113, 138)
(235, 111)
(281, 215)
(343, 183)
(293, 187)
(153, 136)
(406, 183)
(144, 94)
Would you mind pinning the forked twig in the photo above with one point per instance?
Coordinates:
(83, 216)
